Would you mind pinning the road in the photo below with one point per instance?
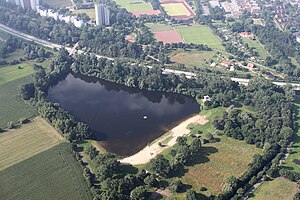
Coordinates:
(72, 50)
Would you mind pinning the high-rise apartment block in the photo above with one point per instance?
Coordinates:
(102, 15)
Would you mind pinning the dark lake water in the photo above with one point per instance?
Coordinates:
(115, 113)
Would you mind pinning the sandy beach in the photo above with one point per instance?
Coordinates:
(149, 152)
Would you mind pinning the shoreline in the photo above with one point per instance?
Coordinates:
(151, 151)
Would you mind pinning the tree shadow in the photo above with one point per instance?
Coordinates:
(202, 157)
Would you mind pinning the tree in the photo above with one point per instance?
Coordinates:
(176, 186)
(160, 166)
(138, 193)
(195, 147)
(191, 195)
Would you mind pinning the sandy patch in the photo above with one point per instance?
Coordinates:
(150, 152)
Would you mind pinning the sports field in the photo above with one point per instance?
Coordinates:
(22, 143)
(134, 5)
(13, 72)
(277, 189)
(12, 107)
(175, 9)
(52, 174)
(193, 58)
(168, 36)
(199, 35)
(156, 27)
(58, 3)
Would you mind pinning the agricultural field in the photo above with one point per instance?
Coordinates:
(30, 139)
(199, 35)
(13, 72)
(52, 174)
(219, 160)
(12, 107)
(89, 12)
(58, 3)
(258, 47)
(293, 160)
(192, 58)
(134, 5)
(277, 189)
(175, 9)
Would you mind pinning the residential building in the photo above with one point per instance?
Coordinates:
(34, 4)
(102, 15)
(25, 4)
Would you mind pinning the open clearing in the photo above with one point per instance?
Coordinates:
(149, 152)
(257, 47)
(175, 9)
(134, 5)
(293, 160)
(58, 3)
(52, 174)
(10, 73)
(199, 35)
(12, 107)
(218, 160)
(277, 189)
(89, 12)
(193, 58)
(26, 141)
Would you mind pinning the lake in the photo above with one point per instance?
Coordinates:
(123, 120)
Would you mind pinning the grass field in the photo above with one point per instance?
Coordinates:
(175, 9)
(134, 5)
(258, 47)
(26, 141)
(277, 189)
(52, 174)
(218, 160)
(89, 12)
(156, 27)
(58, 3)
(13, 72)
(293, 161)
(12, 107)
(192, 58)
(199, 35)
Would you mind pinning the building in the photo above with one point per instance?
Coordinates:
(25, 4)
(102, 15)
(34, 4)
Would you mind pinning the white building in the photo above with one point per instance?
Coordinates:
(53, 14)
(34, 4)
(214, 4)
(102, 15)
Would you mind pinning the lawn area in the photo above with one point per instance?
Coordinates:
(58, 3)
(218, 160)
(192, 58)
(134, 5)
(199, 35)
(12, 107)
(257, 47)
(293, 161)
(28, 140)
(156, 27)
(89, 12)
(52, 174)
(175, 9)
(13, 72)
(277, 189)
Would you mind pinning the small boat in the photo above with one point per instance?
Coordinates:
(145, 117)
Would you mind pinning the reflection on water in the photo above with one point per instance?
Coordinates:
(116, 113)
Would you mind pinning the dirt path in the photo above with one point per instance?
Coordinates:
(149, 152)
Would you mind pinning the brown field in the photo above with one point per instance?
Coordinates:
(192, 58)
(277, 189)
(168, 36)
(28, 140)
(220, 160)
(148, 12)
